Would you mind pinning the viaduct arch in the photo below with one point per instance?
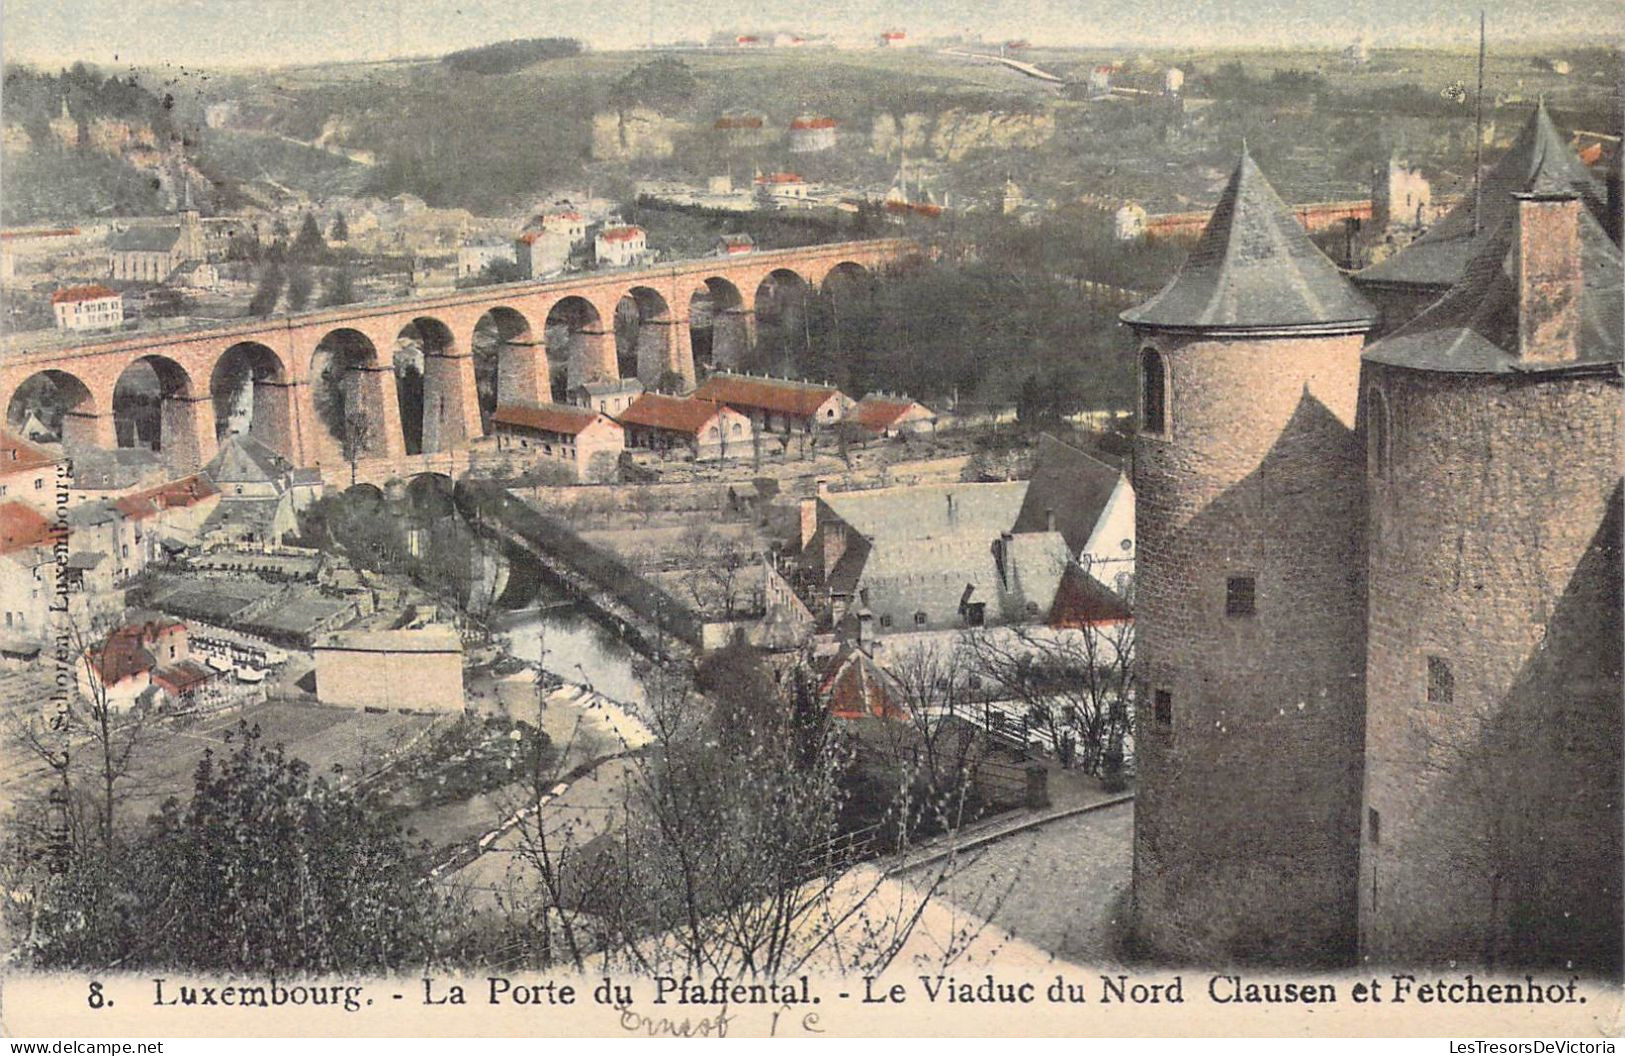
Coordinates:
(315, 385)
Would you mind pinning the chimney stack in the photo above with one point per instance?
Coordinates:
(1547, 272)
(809, 521)
(834, 545)
(1049, 519)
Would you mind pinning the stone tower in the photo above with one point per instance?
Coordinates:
(1421, 272)
(1492, 822)
(1249, 484)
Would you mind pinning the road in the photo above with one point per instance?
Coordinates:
(1057, 885)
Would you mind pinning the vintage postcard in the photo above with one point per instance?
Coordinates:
(763, 520)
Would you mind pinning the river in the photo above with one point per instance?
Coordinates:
(576, 648)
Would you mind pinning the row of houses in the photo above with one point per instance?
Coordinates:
(728, 416)
(58, 542)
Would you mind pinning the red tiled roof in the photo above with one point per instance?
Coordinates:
(120, 657)
(169, 495)
(779, 177)
(18, 455)
(551, 418)
(69, 294)
(880, 414)
(561, 214)
(797, 398)
(856, 688)
(680, 414)
(21, 526)
(621, 234)
(812, 122)
(182, 677)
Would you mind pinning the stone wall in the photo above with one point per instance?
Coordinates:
(1246, 820)
(1495, 550)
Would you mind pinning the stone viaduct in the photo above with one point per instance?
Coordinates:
(289, 358)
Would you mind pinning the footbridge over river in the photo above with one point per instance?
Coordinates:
(545, 337)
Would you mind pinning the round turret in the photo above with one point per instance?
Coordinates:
(1248, 477)
(1492, 821)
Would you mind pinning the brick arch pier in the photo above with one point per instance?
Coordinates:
(286, 346)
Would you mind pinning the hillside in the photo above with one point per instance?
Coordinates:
(490, 130)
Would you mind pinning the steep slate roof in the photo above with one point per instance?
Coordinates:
(549, 418)
(797, 398)
(1255, 269)
(146, 240)
(1439, 258)
(244, 460)
(1473, 329)
(1072, 483)
(678, 414)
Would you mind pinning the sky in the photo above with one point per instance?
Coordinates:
(285, 32)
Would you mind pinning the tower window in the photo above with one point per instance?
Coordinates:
(1153, 392)
(1379, 424)
(1373, 825)
(1162, 707)
(1441, 683)
(1240, 595)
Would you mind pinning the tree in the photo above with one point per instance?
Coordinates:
(1071, 684)
(269, 290)
(308, 245)
(338, 288)
(726, 854)
(300, 283)
(340, 231)
(716, 569)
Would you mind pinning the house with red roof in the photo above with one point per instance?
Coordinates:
(27, 571)
(782, 188)
(733, 245)
(121, 669)
(573, 437)
(703, 430)
(808, 134)
(885, 414)
(621, 246)
(91, 307)
(27, 472)
(172, 513)
(777, 405)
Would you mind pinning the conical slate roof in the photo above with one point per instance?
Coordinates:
(1439, 257)
(1473, 329)
(1255, 270)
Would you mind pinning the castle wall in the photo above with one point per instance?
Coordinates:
(1495, 791)
(1246, 814)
